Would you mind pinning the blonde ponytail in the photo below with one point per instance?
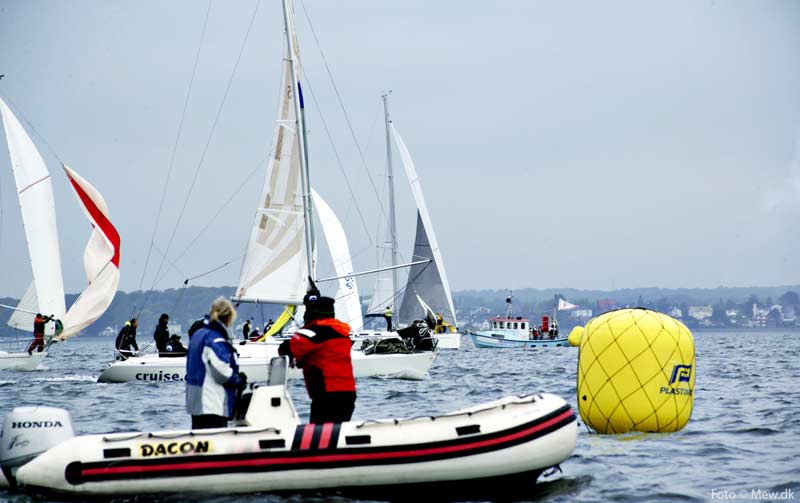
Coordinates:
(222, 310)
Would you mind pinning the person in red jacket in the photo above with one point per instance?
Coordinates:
(322, 349)
(38, 333)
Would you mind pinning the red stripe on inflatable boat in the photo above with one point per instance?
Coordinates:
(325, 438)
(199, 465)
(308, 433)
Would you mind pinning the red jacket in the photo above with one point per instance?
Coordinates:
(322, 350)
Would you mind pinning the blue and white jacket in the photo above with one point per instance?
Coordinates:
(212, 372)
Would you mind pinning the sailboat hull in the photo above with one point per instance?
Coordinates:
(254, 361)
(21, 361)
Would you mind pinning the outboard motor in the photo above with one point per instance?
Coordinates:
(28, 432)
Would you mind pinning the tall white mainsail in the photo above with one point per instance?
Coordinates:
(275, 264)
(348, 303)
(429, 281)
(35, 191)
(100, 259)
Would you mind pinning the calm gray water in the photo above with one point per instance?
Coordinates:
(744, 435)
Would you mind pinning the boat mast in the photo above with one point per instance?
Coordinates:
(300, 118)
(390, 175)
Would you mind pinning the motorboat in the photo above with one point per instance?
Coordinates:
(270, 449)
(511, 331)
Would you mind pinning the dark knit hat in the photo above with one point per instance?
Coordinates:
(318, 305)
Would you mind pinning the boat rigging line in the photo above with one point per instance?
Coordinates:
(344, 110)
(175, 145)
(13, 308)
(187, 280)
(203, 155)
(338, 159)
(224, 205)
(373, 271)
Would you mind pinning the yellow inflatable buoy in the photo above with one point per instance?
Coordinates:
(636, 371)
(575, 335)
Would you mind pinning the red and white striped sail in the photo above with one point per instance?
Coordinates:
(101, 259)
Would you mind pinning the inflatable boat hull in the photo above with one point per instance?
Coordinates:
(510, 437)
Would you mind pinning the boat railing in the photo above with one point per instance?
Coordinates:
(147, 349)
(469, 413)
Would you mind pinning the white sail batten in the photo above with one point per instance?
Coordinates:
(348, 303)
(275, 264)
(35, 191)
(100, 259)
(424, 221)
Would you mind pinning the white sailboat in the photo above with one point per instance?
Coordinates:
(427, 278)
(281, 252)
(37, 206)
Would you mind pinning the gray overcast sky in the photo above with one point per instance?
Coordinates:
(560, 144)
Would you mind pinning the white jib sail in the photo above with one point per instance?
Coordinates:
(35, 191)
(416, 189)
(22, 318)
(275, 266)
(100, 260)
(348, 304)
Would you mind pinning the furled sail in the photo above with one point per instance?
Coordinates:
(348, 304)
(275, 264)
(100, 259)
(35, 191)
(429, 281)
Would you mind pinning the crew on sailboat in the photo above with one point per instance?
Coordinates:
(161, 333)
(322, 349)
(388, 315)
(197, 325)
(174, 346)
(39, 323)
(246, 330)
(212, 370)
(127, 339)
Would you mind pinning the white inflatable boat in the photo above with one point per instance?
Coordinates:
(254, 358)
(514, 438)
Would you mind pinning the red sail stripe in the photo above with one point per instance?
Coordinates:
(106, 227)
(308, 434)
(195, 465)
(325, 437)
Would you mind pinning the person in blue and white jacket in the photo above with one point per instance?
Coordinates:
(212, 370)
